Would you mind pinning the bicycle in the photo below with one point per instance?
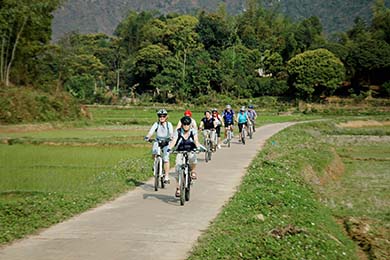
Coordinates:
(185, 180)
(208, 143)
(158, 165)
(243, 134)
(250, 129)
(229, 135)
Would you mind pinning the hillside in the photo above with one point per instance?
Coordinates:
(89, 16)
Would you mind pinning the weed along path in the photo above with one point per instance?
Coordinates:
(144, 224)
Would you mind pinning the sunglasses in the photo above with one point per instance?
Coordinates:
(187, 124)
(162, 116)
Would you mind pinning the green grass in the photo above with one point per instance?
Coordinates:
(360, 198)
(275, 214)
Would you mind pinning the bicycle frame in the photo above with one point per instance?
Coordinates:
(184, 177)
(158, 165)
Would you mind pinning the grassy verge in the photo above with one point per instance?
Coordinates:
(276, 214)
(360, 197)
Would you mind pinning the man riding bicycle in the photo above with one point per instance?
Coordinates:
(208, 125)
(228, 119)
(185, 139)
(164, 133)
(242, 120)
(252, 115)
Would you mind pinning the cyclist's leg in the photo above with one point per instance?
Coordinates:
(192, 160)
(239, 130)
(179, 162)
(166, 162)
(212, 138)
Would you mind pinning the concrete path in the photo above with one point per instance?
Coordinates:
(144, 224)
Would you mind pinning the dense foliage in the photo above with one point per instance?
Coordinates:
(180, 58)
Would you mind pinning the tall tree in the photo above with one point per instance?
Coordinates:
(24, 29)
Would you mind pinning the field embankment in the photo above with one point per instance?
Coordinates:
(299, 201)
(26, 105)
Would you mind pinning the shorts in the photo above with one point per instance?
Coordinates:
(240, 126)
(192, 159)
(218, 130)
(228, 123)
(164, 155)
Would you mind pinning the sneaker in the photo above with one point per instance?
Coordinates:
(167, 181)
(177, 193)
(193, 176)
(219, 146)
(225, 141)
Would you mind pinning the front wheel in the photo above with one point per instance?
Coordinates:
(182, 182)
(157, 166)
(243, 133)
(250, 131)
(206, 153)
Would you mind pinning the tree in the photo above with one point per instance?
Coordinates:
(24, 30)
(314, 73)
(148, 63)
(381, 21)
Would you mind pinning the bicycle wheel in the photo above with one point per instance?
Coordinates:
(243, 133)
(188, 187)
(206, 153)
(162, 180)
(229, 137)
(182, 180)
(156, 173)
(250, 131)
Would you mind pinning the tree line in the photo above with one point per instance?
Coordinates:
(176, 57)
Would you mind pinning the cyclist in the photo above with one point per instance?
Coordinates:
(164, 132)
(228, 119)
(193, 121)
(208, 124)
(252, 115)
(218, 118)
(242, 120)
(185, 139)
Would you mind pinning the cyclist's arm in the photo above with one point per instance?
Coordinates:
(195, 125)
(178, 125)
(201, 125)
(152, 130)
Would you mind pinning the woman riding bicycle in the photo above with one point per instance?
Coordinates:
(185, 139)
(193, 121)
(208, 124)
(218, 120)
(164, 133)
(242, 120)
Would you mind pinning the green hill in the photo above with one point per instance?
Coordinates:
(90, 16)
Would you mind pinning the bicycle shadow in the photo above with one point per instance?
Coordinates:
(169, 199)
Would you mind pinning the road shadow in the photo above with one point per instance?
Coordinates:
(169, 199)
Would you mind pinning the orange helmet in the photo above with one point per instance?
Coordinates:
(188, 113)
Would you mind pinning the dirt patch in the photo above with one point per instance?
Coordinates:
(26, 128)
(332, 172)
(288, 230)
(363, 123)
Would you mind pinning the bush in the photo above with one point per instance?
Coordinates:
(26, 105)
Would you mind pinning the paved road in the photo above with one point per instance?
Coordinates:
(144, 224)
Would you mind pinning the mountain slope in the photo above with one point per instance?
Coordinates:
(90, 16)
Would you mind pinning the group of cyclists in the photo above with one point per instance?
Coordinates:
(185, 136)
